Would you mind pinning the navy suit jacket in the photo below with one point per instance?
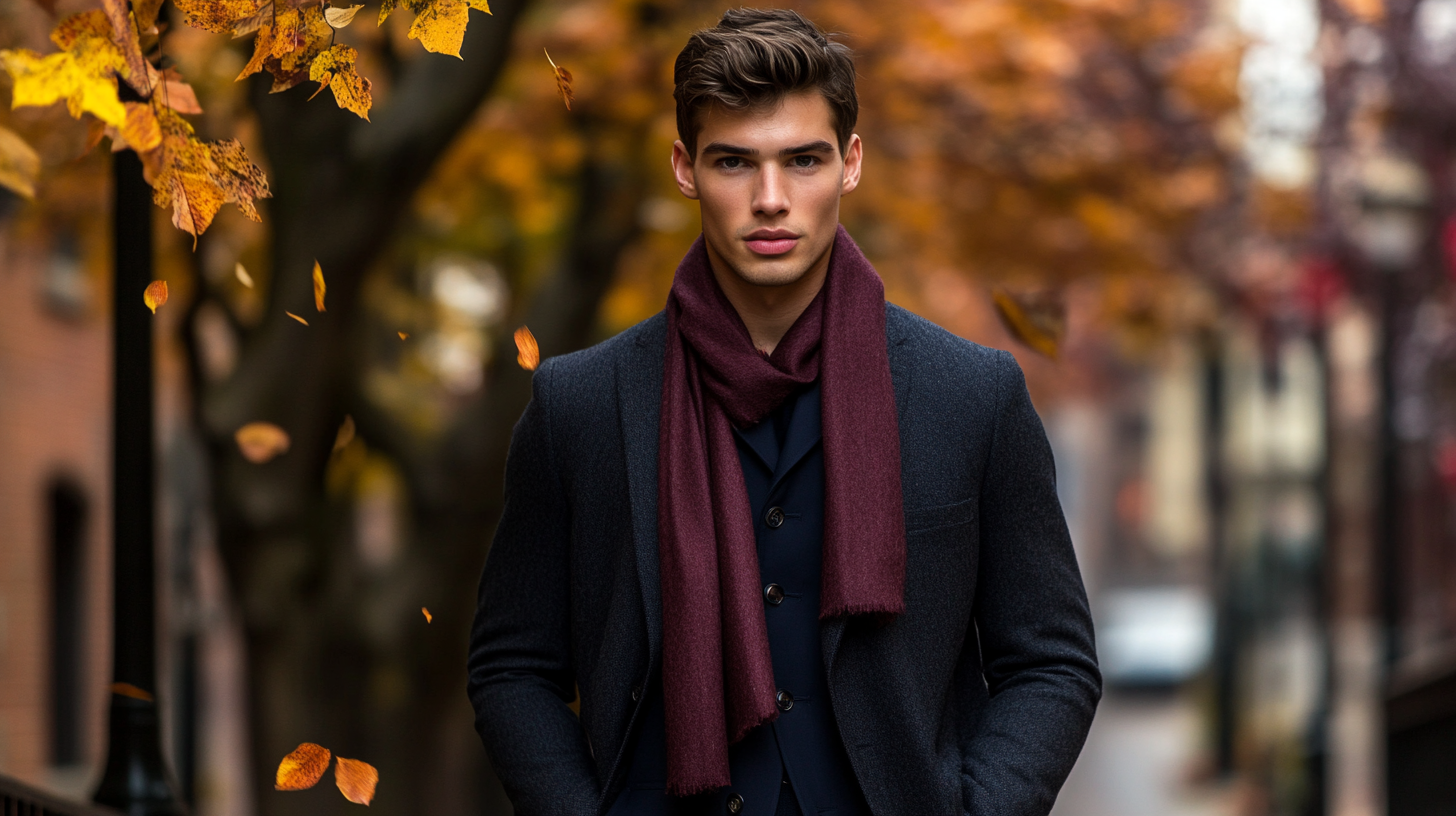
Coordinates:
(976, 700)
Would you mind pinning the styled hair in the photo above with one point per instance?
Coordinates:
(754, 58)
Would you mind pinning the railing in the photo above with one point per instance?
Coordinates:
(18, 799)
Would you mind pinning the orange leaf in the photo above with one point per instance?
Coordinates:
(428, 617)
(318, 286)
(1038, 318)
(404, 335)
(563, 80)
(134, 692)
(356, 780)
(156, 295)
(261, 441)
(529, 354)
(345, 434)
(296, 317)
(303, 768)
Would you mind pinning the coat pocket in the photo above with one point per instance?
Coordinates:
(939, 516)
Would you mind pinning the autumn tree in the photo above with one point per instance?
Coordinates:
(1033, 145)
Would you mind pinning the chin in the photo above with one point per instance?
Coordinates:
(772, 273)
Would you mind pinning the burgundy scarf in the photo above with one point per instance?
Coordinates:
(717, 675)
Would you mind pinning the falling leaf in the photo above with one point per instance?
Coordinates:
(156, 295)
(563, 80)
(134, 692)
(1037, 318)
(404, 335)
(303, 768)
(260, 442)
(318, 286)
(528, 353)
(428, 617)
(19, 164)
(296, 317)
(242, 275)
(340, 17)
(439, 24)
(356, 780)
(345, 434)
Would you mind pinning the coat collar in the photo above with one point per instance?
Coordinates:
(639, 396)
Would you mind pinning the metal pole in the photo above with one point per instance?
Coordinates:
(137, 780)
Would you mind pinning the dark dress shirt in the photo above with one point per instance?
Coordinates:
(796, 765)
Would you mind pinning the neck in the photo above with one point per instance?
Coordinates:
(769, 311)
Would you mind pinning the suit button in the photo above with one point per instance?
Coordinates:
(735, 803)
(784, 699)
(636, 693)
(774, 594)
(775, 517)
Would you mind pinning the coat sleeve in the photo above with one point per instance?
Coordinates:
(520, 673)
(1032, 621)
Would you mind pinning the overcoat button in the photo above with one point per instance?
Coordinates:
(735, 803)
(636, 693)
(775, 517)
(774, 594)
(784, 699)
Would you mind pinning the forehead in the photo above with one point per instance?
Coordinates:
(797, 118)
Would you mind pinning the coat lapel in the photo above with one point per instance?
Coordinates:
(639, 399)
(832, 631)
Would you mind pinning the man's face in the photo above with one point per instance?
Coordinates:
(769, 182)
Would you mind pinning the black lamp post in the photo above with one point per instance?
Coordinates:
(137, 780)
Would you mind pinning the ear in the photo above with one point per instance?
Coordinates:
(682, 170)
(853, 157)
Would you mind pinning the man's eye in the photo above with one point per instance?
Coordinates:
(730, 162)
(805, 161)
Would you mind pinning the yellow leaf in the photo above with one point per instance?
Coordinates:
(155, 295)
(217, 16)
(260, 442)
(145, 12)
(60, 77)
(242, 275)
(303, 768)
(196, 178)
(439, 24)
(19, 164)
(404, 335)
(318, 286)
(335, 68)
(141, 131)
(340, 17)
(296, 317)
(287, 44)
(345, 434)
(528, 354)
(563, 80)
(134, 692)
(428, 617)
(125, 38)
(1038, 318)
(356, 780)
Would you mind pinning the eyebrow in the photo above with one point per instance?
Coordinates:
(816, 146)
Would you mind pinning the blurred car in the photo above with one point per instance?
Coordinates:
(1152, 637)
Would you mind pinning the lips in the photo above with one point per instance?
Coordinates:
(771, 242)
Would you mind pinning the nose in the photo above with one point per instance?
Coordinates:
(770, 196)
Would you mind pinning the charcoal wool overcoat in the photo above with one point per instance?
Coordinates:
(976, 700)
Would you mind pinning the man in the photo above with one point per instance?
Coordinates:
(797, 550)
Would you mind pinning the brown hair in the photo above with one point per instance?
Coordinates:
(755, 57)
